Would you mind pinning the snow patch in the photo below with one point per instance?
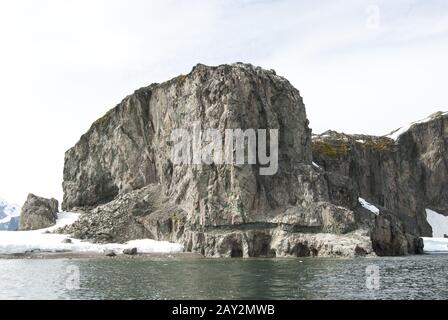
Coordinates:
(369, 206)
(12, 242)
(438, 222)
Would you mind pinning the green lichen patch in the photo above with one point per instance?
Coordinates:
(333, 149)
(180, 79)
(379, 144)
(101, 120)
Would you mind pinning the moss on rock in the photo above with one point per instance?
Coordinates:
(334, 149)
(380, 143)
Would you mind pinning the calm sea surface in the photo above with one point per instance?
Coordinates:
(415, 277)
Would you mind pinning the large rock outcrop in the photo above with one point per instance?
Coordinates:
(122, 177)
(38, 213)
(130, 147)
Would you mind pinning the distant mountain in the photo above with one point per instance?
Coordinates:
(9, 216)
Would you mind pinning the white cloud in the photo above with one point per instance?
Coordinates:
(64, 63)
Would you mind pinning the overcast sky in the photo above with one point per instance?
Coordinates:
(361, 66)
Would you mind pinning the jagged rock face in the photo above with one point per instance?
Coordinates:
(277, 242)
(390, 239)
(129, 148)
(405, 176)
(428, 142)
(38, 213)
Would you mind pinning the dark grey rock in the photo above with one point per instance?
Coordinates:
(109, 253)
(130, 251)
(389, 237)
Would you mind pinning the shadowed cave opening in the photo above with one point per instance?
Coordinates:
(237, 252)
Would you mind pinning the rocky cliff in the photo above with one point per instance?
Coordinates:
(404, 172)
(122, 177)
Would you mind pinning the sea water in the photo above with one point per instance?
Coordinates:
(168, 277)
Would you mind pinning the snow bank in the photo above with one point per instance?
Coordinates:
(369, 206)
(41, 240)
(438, 222)
(435, 245)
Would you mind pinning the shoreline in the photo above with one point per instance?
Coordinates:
(43, 255)
(49, 255)
(46, 255)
